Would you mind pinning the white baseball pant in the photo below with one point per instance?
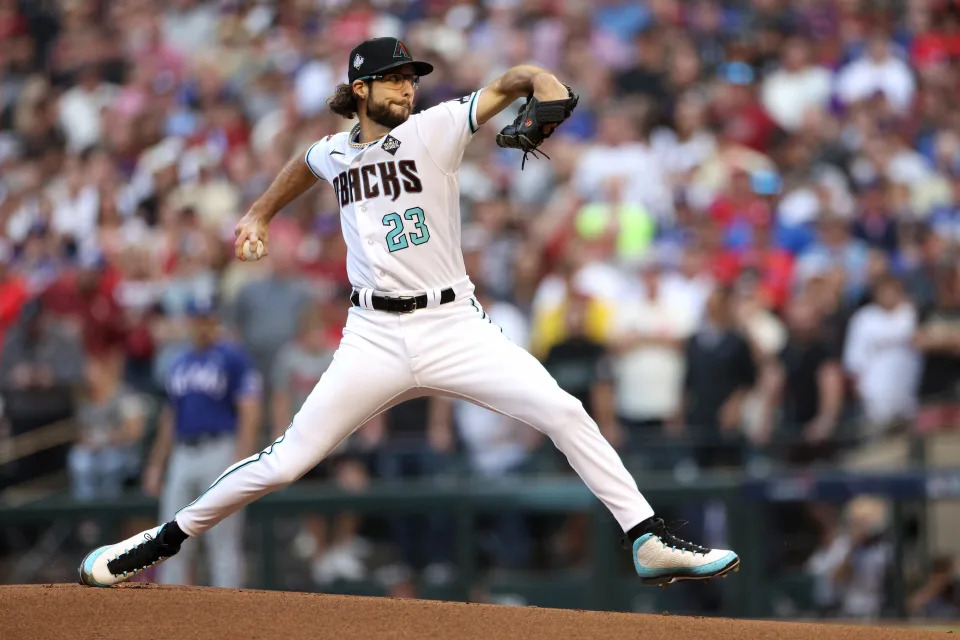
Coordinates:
(385, 358)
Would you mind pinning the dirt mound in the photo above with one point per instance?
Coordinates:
(43, 612)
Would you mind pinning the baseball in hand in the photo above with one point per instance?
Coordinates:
(249, 254)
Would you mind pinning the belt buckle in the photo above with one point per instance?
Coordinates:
(411, 299)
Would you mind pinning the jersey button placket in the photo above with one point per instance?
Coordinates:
(363, 209)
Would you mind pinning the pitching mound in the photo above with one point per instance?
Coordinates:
(44, 612)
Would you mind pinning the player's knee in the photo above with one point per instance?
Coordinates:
(574, 413)
(567, 415)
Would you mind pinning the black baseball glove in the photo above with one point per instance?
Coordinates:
(527, 131)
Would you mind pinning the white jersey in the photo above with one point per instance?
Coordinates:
(400, 199)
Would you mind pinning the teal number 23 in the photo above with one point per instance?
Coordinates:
(396, 238)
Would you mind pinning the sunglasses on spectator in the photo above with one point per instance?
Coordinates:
(395, 80)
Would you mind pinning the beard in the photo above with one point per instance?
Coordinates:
(386, 114)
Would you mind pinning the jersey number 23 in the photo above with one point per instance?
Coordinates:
(396, 238)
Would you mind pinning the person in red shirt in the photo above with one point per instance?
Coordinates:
(84, 296)
(13, 294)
(746, 213)
(773, 264)
(941, 42)
(737, 109)
(738, 201)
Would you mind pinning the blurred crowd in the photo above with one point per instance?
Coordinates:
(743, 247)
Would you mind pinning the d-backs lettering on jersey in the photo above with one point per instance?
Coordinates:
(203, 387)
(399, 198)
(366, 182)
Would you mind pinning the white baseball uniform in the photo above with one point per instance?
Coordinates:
(400, 214)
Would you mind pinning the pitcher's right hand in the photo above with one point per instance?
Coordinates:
(252, 227)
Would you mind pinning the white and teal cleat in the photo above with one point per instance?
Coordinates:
(113, 564)
(661, 558)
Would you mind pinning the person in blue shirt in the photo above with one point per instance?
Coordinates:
(210, 421)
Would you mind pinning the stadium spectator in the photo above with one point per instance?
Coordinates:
(876, 225)
(880, 70)
(685, 145)
(938, 340)
(852, 568)
(939, 597)
(835, 250)
(41, 354)
(798, 86)
(880, 357)
(720, 371)
(81, 107)
(651, 329)
(735, 104)
(810, 387)
(83, 297)
(13, 294)
(620, 152)
(583, 368)
(766, 335)
(558, 292)
(285, 292)
(110, 420)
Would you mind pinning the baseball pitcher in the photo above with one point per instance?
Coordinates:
(414, 328)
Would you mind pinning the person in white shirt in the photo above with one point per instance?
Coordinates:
(690, 143)
(796, 86)
(879, 71)
(415, 328)
(620, 152)
(880, 356)
(76, 205)
(80, 109)
(649, 336)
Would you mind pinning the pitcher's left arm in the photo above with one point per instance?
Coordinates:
(518, 82)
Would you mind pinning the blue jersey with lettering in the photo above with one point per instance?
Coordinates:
(204, 387)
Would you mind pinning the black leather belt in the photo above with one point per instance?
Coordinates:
(402, 304)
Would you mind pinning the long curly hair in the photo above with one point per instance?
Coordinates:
(344, 102)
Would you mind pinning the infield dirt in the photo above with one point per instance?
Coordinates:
(141, 611)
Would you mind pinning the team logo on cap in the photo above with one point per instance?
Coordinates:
(400, 51)
(358, 61)
(390, 145)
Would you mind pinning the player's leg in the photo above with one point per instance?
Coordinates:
(370, 373)
(469, 357)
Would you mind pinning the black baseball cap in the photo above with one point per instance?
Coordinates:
(372, 57)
